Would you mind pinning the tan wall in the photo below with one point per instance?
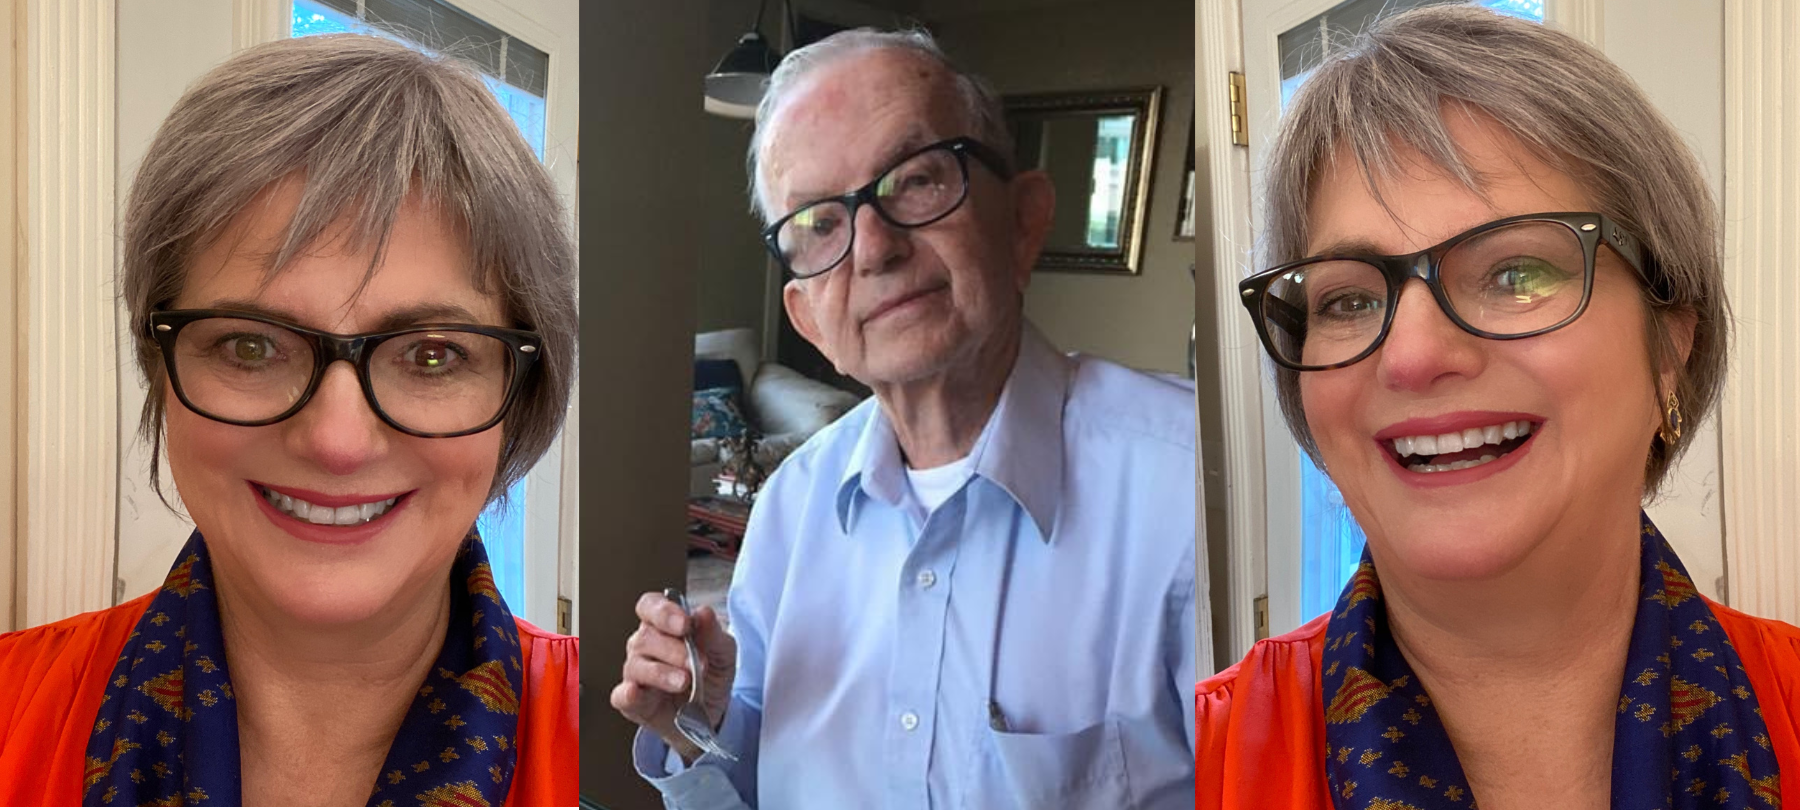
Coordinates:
(1141, 320)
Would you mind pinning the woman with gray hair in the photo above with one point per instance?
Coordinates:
(1495, 306)
(351, 290)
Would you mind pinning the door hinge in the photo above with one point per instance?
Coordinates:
(1240, 111)
(564, 621)
(1262, 617)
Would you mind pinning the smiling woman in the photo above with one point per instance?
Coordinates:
(1494, 303)
(351, 288)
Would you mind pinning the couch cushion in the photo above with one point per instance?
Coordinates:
(738, 345)
(717, 372)
(786, 401)
(716, 414)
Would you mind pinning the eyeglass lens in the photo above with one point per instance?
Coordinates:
(919, 190)
(430, 381)
(1509, 281)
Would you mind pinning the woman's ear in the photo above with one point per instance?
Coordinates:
(1679, 326)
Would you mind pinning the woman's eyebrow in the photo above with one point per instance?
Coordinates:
(1350, 246)
(434, 312)
(426, 313)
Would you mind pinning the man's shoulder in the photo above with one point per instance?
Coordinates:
(1127, 404)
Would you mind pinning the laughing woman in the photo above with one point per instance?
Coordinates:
(1496, 304)
(351, 290)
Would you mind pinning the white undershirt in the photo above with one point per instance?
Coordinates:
(931, 488)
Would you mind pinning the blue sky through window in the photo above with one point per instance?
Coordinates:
(502, 527)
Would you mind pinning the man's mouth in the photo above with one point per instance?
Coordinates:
(352, 514)
(899, 301)
(1460, 449)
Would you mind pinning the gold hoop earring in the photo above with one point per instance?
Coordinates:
(1671, 428)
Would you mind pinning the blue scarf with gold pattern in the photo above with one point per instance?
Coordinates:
(1688, 735)
(167, 730)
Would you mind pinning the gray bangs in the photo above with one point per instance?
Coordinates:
(1390, 89)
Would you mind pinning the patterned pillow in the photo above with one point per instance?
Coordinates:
(716, 414)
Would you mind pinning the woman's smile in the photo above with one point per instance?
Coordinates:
(318, 518)
(1457, 448)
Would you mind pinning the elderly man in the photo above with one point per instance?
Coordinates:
(978, 589)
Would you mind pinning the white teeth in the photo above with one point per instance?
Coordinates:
(1457, 465)
(1462, 440)
(325, 515)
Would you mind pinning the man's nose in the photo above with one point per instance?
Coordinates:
(879, 244)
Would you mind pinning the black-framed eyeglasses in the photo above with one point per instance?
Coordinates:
(1508, 279)
(919, 189)
(430, 380)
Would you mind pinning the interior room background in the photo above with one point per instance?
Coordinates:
(710, 265)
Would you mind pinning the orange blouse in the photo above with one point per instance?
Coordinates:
(1260, 725)
(52, 677)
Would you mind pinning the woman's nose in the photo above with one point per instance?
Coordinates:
(337, 430)
(1423, 346)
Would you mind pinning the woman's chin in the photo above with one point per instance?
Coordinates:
(1456, 550)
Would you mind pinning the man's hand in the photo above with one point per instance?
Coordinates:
(656, 680)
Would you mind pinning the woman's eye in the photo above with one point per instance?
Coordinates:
(432, 357)
(250, 349)
(1526, 280)
(1347, 304)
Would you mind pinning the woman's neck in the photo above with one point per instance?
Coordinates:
(1525, 669)
(297, 684)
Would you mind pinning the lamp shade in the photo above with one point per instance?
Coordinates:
(735, 86)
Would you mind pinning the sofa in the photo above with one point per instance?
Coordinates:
(785, 406)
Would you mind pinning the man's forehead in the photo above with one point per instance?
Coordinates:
(857, 110)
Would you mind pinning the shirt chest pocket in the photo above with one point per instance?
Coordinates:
(1070, 771)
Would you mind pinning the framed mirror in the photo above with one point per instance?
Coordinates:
(1097, 148)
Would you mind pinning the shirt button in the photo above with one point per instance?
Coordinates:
(927, 579)
(909, 721)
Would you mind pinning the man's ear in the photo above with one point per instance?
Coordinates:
(1034, 209)
(794, 298)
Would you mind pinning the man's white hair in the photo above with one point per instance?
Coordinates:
(986, 114)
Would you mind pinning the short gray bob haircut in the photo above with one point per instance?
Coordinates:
(986, 114)
(1564, 101)
(368, 122)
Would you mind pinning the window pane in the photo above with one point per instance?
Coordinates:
(526, 107)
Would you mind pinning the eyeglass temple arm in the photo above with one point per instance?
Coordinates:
(1630, 249)
(1284, 314)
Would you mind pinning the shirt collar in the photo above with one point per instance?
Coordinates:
(1020, 450)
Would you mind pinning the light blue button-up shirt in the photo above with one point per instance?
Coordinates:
(1030, 644)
